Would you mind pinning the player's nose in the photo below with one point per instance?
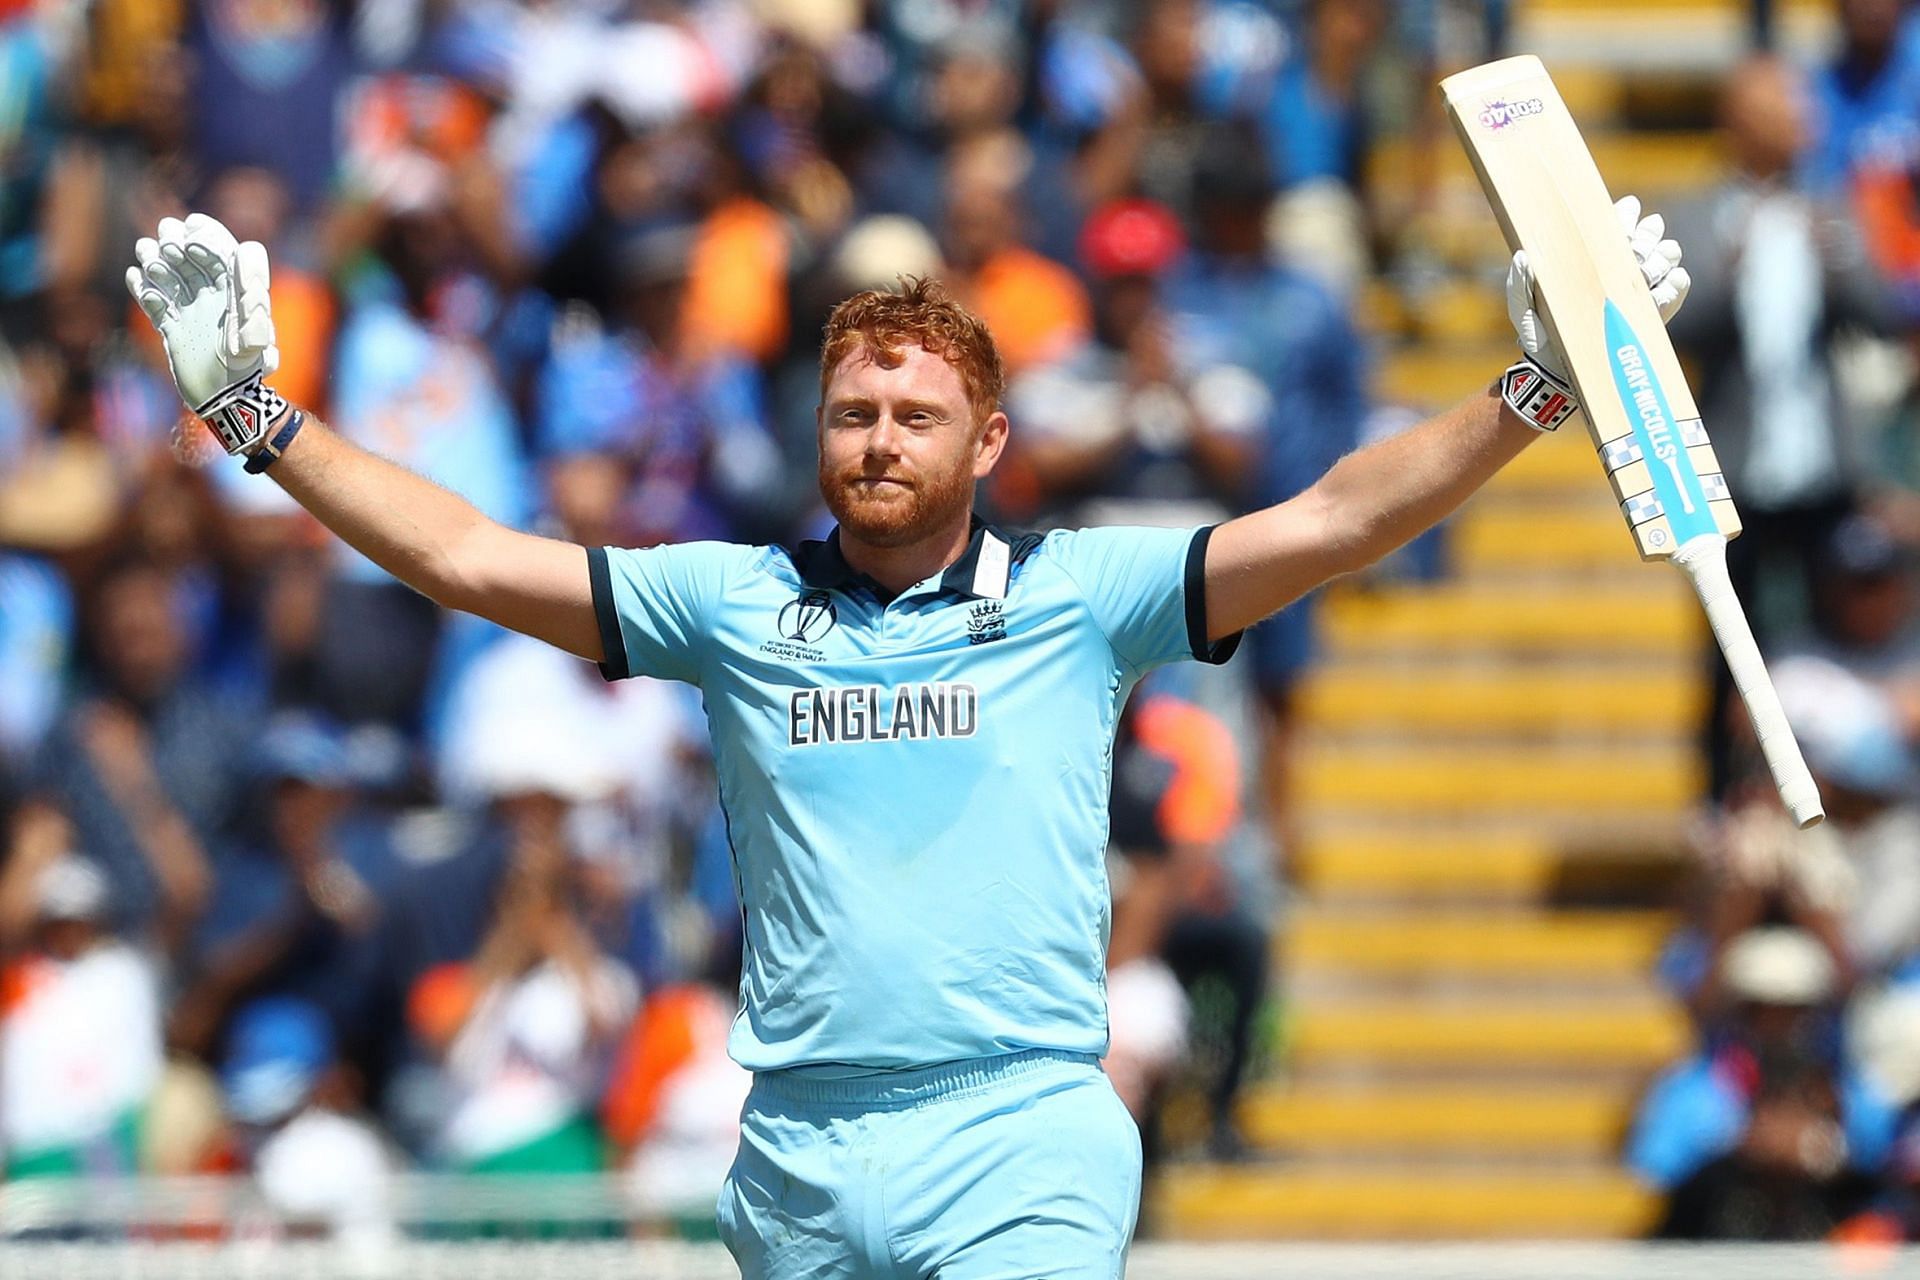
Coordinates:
(885, 436)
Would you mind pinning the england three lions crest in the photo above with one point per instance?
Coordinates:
(987, 622)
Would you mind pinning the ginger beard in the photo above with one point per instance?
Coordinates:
(898, 498)
(892, 505)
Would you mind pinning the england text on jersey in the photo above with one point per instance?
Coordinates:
(873, 713)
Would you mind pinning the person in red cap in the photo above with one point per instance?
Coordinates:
(1124, 428)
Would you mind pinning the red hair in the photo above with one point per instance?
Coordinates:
(884, 322)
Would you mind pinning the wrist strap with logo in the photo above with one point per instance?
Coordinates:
(1539, 397)
(240, 415)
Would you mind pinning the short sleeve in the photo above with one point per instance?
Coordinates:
(1147, 590)
(655, 608)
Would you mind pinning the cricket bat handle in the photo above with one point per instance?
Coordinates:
(1704, 560)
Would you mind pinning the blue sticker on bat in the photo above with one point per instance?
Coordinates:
(1675, 482)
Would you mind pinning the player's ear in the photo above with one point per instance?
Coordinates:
(990, 444)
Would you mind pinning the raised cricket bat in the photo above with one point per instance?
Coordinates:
(1541, 181)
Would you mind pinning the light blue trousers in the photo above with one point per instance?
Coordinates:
(1020, 1167)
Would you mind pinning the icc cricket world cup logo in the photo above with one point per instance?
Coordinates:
(808, 618)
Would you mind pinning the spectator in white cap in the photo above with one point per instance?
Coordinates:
(79, 1028)
(1854, 881)
(1767, 1131)
(627, 763)
(524, 1029)
(1850, 731)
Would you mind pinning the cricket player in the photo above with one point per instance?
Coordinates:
(913, 723)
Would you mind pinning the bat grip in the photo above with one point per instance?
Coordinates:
(1704, 560)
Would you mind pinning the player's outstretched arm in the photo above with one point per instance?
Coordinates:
(439, 544)
(207, 295)
(1378, 498)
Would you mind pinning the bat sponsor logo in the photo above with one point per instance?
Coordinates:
(1676, 486)
(1500, 113)
(1645, 401)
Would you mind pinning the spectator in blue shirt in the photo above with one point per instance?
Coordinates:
(1233, 305)
(143, 758)
(1312, 121)
(645, 440)
(298, 917)
(1754, 1136)
(1868, 98)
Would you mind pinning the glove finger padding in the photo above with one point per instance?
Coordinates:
(1528, 327)
(210, 233)
(1654, 266)
(1627, 209)
(149, 299)
(252, 304)
(172, 239)
(1519, 289)
(1671, 293)
(1647, 235)
(163, 277)
(159, 276)
(192, 277)
(209, 263)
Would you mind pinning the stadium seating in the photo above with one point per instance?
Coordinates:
(1461, 1050)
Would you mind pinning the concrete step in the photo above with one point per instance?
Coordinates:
(1561, 537)
(1585, 1121)
(1414, 1201)
(1487, 1034)
(1561, 465)
(1456, 782)
(1660, 37)
(1658, 700)
(1379, 863)
(1560, 946)
(1434, 375)
(1653, 612)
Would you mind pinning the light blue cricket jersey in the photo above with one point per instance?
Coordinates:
(916, 789)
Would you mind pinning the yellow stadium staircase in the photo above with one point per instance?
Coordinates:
(1461, 1056)
(1463, 1048)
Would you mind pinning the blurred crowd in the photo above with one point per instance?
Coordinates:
(299, 872)
(1797, 1115)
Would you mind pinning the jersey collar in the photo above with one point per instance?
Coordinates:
(983, 571)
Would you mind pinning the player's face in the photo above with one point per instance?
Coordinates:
(900, 448)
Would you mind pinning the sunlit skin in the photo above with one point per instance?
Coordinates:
(900, 451)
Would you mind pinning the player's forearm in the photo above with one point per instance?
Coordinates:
(440, 544)
(1381, 497)
(1372, 501)
(407, 525)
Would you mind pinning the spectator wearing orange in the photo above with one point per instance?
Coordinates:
(1035, 307)
(1176, 800)
(673, 1103)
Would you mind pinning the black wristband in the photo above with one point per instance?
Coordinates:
(270, 450)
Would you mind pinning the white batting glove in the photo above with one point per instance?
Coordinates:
(1537, 387)
(207, 295)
